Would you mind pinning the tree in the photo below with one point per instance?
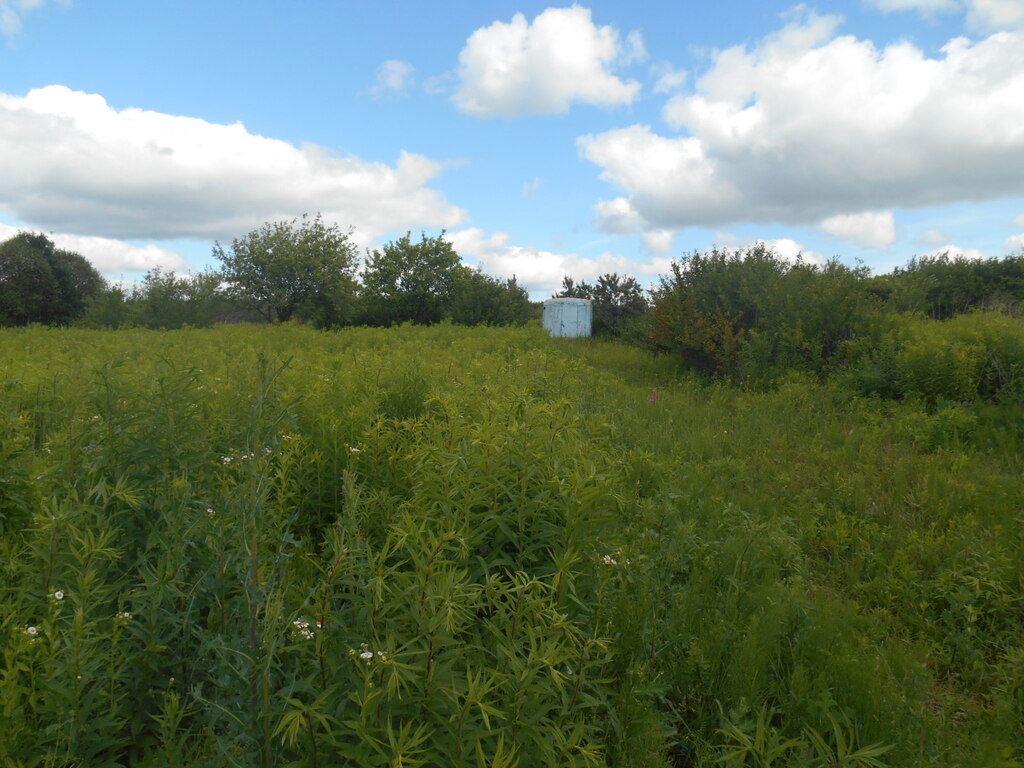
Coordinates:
(40, 283)
(617, 301)
(410, 282)
(478, 299)
(291, 268)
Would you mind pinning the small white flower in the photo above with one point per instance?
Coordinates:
(609, 560)
(210, 511)
(226, 459)
(125, 615)
(309, 634)
(31, 631)
(58, 595)
(354, 449)
(367, 655)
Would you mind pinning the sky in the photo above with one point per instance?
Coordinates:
(544, 140)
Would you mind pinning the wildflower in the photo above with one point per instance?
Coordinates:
(609, 560)
(226, 459)
(31, 631)
(125, 615)
(354, 449)
(367, 655)
(58, 595)
(210, 511)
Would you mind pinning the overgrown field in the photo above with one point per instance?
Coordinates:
(267, 546)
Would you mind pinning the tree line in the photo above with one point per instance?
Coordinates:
(303, 270)
(748, 314)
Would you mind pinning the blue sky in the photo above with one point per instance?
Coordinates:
(545, 139)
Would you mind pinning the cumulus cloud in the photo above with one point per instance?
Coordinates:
(935, 236)
(994, 15)
(659, 240)
(541, 272)
(520, 68)
(617, 216)
(12, 13)
(982, 15)
(806, 125)
(393, 76)
(1015, 243)
(111, 257)
(72, 163)
(956, 252)
(871, 230)
(785, 248)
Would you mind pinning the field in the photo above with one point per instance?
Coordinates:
(267, 546)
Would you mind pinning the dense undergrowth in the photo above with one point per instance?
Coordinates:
(444, 546)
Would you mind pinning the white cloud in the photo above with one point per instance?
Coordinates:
(12, 13)
(982, 15)
(935, 236)
(519, 68)
(1019, 220)
(111, 257)
(1015, 243)
(393, 76)
(74, 164)
(995, 15)
(956, 252)
(541, 272)
(926, 7)
(869, 229)
(805, 126)
(784, 247)
(617, 216)
(659, 240)
(668, 77)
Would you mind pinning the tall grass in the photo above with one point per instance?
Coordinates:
(442, 546)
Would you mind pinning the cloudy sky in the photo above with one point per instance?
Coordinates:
(545, 139)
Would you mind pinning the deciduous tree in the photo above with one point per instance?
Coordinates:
(301, 267)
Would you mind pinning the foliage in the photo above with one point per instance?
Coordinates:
(435, 545)
(479, 299)
(40, 283)
(972, 357)
(618, 302)
(752, 313)
(411, 282)
(942, 286)
(161, 300)
(300, 268)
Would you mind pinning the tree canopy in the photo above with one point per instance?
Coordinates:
(410, 282)
(40, 283)
(300, 267)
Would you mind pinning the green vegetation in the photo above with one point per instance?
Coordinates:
(445, 546)
(40, 283)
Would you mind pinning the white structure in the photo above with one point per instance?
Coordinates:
(569, 318)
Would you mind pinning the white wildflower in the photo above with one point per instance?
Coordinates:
(609, 560)
(58, 595)
(366, 655)
(31, 631)
(354, 449)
